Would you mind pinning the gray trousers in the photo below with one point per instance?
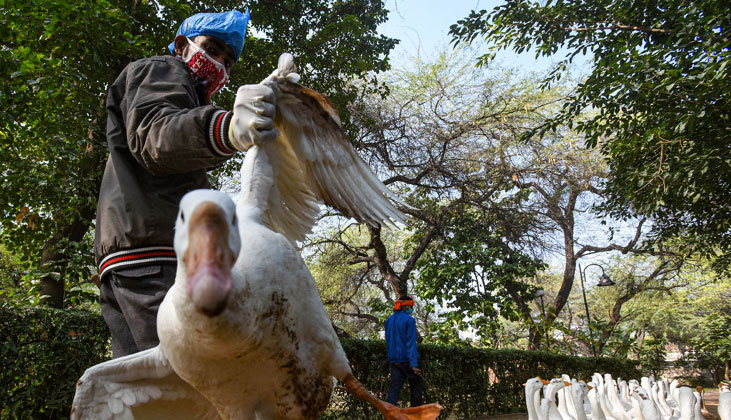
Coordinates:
(130, 298)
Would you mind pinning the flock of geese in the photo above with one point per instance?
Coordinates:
(604, 398)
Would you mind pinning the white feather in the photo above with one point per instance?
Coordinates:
(314, 162)
(270, 351)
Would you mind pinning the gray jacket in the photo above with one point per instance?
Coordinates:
(161, 142)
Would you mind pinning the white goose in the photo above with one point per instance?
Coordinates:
(686, 402)
(724, 401)
(665, 410)
(549, 410)
(613, 395)
(604, 403)
(579, 390)
(533, 388)
(673, 393)
(596, 411)
(648, 408)
(565, 402)
(244, 335)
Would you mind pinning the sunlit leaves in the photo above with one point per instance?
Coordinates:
(662, 92)
(57, 59)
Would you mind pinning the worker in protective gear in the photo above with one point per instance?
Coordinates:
(403, 356)
(163, 135)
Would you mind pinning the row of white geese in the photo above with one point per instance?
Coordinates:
(604, 398)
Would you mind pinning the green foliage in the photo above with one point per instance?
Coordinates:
(661, 92)
(652, 355)
(467, 381)
(43, 353)
(714, 341)
(467, 271)
(716, 335)
(58, 59)
(12, 287)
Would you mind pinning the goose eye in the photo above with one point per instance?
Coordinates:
(233, 221)
(182, 217)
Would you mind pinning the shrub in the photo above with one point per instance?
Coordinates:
(467, 381)
(43, 353)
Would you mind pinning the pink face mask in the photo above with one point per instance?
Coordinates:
(201, 64)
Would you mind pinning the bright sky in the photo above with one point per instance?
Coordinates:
(423, 25)
(423, 28)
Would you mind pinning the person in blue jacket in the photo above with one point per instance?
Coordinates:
(403, 357)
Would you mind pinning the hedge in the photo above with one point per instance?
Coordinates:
(45, 351)
(467, 381)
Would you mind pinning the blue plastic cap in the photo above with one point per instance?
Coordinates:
(228, 26)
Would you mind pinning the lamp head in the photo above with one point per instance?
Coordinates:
(604, 280)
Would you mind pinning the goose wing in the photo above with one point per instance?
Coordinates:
(315, 162)
(138, 386)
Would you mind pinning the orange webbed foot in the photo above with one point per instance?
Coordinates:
(422, 412)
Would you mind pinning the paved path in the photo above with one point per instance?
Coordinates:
(711, 400)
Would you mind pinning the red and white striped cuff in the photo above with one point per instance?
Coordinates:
(217, 127)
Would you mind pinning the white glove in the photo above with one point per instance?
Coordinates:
(253, 118)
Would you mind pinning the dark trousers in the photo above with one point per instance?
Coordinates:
(130, 298)
(400, 372)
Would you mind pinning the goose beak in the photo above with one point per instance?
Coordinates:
(567, 383)
(208, 259)
(545, 382)
(590, 387)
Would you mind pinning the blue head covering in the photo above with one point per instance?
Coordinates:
(228, 26)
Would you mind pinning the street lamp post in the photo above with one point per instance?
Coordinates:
(539, 294)
(604, 280)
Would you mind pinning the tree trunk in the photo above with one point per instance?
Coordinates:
(535, 335)
(53, 285)
(614, 318)
(91, 168)
(380, 259)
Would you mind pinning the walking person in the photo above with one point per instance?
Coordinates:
(403, 356)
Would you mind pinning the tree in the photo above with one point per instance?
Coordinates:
(473, 272)
(671, 300)
(637, 275)
(661, 92)
(716, 338)
(486, 207)
(58, 59)
(428, 142)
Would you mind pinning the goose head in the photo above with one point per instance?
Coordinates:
(639, 393)
(207, 244)
(579, 390)
(532, 385)
(552, 388)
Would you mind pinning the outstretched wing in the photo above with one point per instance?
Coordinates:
(316, 162)
(138, 386)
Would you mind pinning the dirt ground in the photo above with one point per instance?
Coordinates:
(710, 397)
